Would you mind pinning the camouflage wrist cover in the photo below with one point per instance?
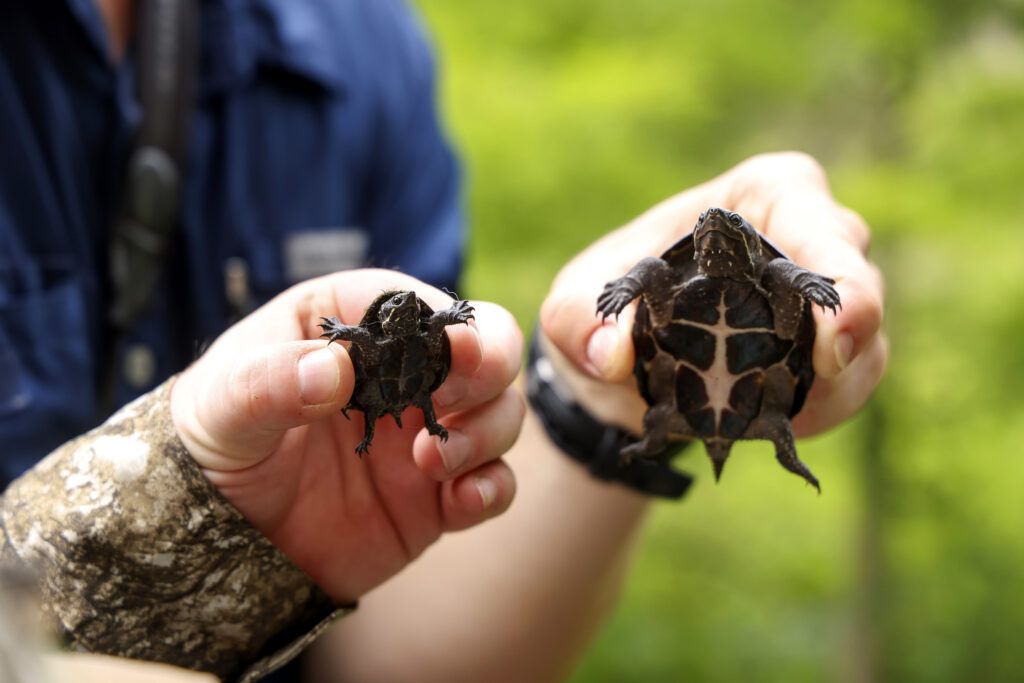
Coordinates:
(138, 555)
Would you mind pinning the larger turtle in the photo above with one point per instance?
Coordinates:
(401, 355)
(723, 336)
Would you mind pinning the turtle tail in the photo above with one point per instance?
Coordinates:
(718, 450)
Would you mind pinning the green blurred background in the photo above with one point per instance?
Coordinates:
(575, 115)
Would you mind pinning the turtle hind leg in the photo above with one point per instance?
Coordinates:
(785, 453)
(370, 421)
(718, 450)
(430, 421)
(660, 422)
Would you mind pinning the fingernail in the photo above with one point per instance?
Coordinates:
(319, 377)
(488, 490)
(602, 347)
(451, 392)
(455, 451)
(843, 347)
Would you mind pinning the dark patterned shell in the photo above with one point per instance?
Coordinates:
(714, 354)
(403, 373)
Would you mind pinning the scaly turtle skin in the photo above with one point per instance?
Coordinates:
(401, 355)
(723, 337)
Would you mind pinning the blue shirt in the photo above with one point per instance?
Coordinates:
(315, 146)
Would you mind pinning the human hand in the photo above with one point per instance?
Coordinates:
(784, 195)
(260, 412)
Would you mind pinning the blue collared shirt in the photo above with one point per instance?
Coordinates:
(315, 146)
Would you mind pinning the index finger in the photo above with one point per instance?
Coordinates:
(831, 240)
(485, 359)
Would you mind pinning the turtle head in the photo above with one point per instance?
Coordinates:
(726, 245)
(400, 315)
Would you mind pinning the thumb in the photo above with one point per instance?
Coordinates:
(231, 412)
(601, 349)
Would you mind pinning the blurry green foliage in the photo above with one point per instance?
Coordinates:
(575, 115)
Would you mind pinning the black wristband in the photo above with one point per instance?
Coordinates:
(592, 443)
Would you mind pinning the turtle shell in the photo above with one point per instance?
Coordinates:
(721, 352)
(406, 371)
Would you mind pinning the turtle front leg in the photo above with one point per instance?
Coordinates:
(335, 330)
(784, 275)
(651, 278)
(460, 312)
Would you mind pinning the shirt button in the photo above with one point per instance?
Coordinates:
(139, 366)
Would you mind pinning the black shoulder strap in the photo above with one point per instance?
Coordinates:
(168, 39)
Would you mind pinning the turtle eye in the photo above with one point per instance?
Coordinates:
(735, 219)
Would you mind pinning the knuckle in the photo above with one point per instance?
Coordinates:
(870, 307)
(882, 358)
(251, 398)
(856, 227)
(518, 402)
(550, 311)
(788, 164)
(802, 165)
(877, 279)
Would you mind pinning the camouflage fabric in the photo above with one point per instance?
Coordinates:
(137, 555)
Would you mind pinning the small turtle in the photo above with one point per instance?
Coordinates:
(723, 337)
(401, 355)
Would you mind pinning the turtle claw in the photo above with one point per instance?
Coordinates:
(437, 430)
(331, 329)
(459, 312)
(463, 312)
(363, 447)
(645, 447)
(820, 290)
(327, 325)
(616, 296)
(434, 427)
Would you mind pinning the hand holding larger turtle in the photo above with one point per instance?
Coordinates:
(785, 195)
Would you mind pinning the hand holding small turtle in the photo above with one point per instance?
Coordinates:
(261, 412)
(786, 195)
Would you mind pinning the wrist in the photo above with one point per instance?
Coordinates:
(128, 537)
